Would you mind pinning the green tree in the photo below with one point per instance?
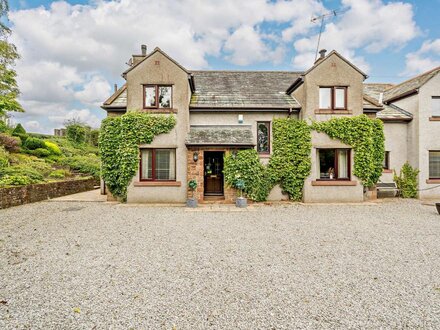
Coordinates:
(8, 55)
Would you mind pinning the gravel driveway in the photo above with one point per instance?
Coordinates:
(67, 265)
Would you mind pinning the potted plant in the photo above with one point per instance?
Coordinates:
(240, 201)
(331, 173)
(192, 202)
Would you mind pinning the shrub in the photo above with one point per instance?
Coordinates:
(32, 175)
(18, 130)
(76, 133)
(14, 180)
(40, 152)
(3, 157)
(33, 143)
(11, 143)
(406, 181)
(84, 164)
(94, 137)
(245, 167)
(52, 147)
(23, 137)
(3, 126)
(58, 174)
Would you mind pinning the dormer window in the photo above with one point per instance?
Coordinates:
(157, 96)
(333, 98)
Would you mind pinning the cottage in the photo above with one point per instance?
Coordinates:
(223, 111)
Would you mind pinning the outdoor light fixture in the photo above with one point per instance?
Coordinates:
(195, 156)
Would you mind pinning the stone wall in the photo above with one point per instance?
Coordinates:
(196, 171)
(14, 196)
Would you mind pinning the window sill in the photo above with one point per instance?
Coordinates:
(333, 112)
(433, 181)
(159, 110)
(264, 155)
(334, 183)
(434, 118)
(157, 184)
(387, 171)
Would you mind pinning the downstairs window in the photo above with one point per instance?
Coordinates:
(334, 164)
(434, 164)
(158, 165)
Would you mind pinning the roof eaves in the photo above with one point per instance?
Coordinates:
(401, 96)
(115, 95)
(298, 82)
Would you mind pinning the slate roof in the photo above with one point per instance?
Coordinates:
(243, 89)
(392, 112)
(409, 86)
(240, 135)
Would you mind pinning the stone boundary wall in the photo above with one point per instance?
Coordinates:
(32, 193)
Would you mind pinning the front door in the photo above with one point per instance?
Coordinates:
(213, 167)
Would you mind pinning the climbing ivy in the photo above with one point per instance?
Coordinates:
(119, 146)
(245, 166)
(367, 138)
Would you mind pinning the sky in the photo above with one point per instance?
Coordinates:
(73, 52)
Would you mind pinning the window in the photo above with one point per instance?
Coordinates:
(386, 161)
(434, 164)
(435, 106)
(158, 164)
(156, 96)
(334, 164)
(263, 137)
(333, 98)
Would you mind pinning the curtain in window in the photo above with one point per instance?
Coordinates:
(340, 98)
(150, 96)
(172, 175)
(146, 160)
(162, 165)
(435, 103)
(342, 164)
(325, 98)
(434, 164)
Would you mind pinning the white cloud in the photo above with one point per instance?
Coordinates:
(83, 115)
(371, 26)
(94, 91)
(424, 59)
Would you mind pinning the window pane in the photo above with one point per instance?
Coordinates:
(326, 163)
(325, 98)
(435, 106)
(263, 137)
(386, 161)
(165, 96)
(342, 164)
(340, 98)
(164, 164)
(146, 164)
(434, 164)
(150, 96)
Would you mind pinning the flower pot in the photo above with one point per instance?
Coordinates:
(191, 202)
(437, 205)
(241, 202)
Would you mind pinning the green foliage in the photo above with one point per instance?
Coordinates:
(290, 163)
(245, 166)
(406, 181)
(4, 159)
(10, 143)
(119, 141)
(3, 126)
(19, 174)
(33, 143)
(52, 147)
(89, 164)
(58, 174)
(40, 152)
(93, 137)
(76, 133)
(192, 184)
(367, 138)
(15, 180)
(19, 129)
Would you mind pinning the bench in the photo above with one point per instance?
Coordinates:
(387, 187)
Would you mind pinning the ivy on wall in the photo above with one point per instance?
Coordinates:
(245, 165)
(119, 146)
(367, 138)
(290, 162)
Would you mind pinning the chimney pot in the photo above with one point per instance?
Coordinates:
(322, 53)
(144, 49)
(116, 88)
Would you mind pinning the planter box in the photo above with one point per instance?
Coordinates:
(191, 202)
(241, 202)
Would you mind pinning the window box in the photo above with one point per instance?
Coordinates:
(157, 165)
(158, 96)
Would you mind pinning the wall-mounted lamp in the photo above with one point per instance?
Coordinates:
(195, 156)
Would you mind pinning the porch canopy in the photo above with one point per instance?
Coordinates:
(220, 135)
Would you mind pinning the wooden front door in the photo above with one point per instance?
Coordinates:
(213, 167)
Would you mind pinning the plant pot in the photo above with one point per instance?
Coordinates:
(437, 205)
(191, 202)
(241, 202)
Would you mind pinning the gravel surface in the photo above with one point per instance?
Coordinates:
(67, 265)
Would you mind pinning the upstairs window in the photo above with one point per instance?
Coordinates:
(434, 164)
(333, 98)
(157, 96)
(334, 164)
(435, 106)
(263, 137)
